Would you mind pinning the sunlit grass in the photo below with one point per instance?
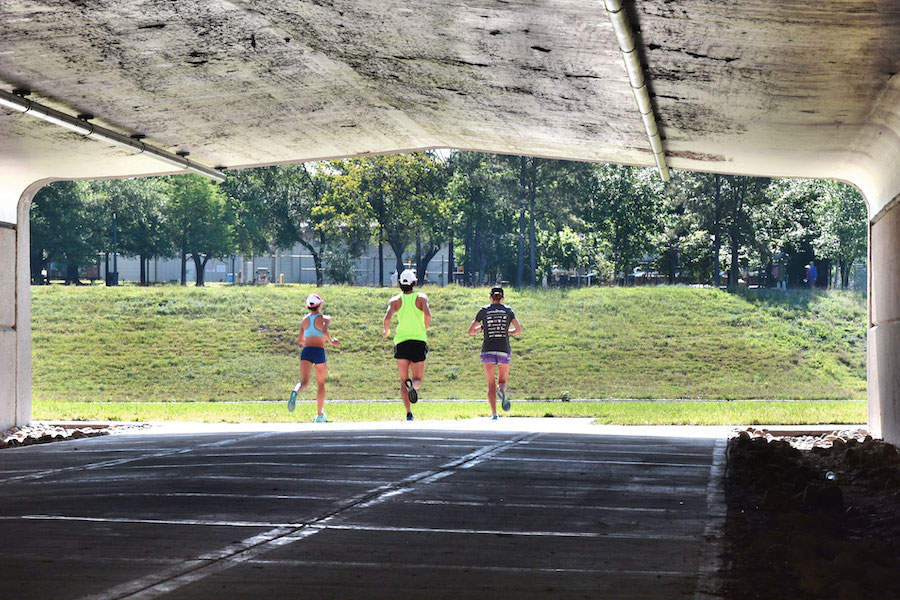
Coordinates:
(98, 344)
(624, 413)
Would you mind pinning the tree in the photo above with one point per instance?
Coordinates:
(248, 203)
(482, 201)
(65, 228)
(401, 194)
(624, 205)
(841, 214)
(744, 193)
(198, 216)
(139, 206)
(790, 221)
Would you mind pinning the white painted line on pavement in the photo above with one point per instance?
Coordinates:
(502, 532)
(157, 584)
(463, 567)
(121, 461)
(710, 561)
(542, 506)
(605, 462)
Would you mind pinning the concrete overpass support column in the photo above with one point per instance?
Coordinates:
(884, 326)
(15, 320)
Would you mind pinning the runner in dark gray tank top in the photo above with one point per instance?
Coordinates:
(498, 322)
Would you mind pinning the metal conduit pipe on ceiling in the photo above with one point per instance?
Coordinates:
(625, 37)
(83, 127)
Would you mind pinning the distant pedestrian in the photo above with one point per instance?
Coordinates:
(410, 338)
(811, 274)
(312, 337)
(498, 322)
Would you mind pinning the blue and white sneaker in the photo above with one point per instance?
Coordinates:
(494, 417)
(292, 402)
(410, 417)
(504, 401)
(321, 418)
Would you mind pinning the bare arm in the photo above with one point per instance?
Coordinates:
(326, 321)
(422, 303)
(302, 335)
(386, 329)
(474, 328)
(516, 328)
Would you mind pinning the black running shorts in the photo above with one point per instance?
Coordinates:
(411, 350)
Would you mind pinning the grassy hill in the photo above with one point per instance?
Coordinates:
(225, 343)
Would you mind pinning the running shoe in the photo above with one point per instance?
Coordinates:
(321, 418)
(494, 417)
(413, 394)
(292, 403)
(504, 401)
(410, 417)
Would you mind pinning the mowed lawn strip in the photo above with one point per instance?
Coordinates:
(738, 412)
(197, 345)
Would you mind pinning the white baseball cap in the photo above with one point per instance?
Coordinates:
(313, 300)
(408, 277)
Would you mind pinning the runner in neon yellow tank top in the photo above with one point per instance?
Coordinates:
(410, 340)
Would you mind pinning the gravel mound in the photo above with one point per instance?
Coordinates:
(811, 516)
(42, 433)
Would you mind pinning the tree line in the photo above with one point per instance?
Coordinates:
(513, 218)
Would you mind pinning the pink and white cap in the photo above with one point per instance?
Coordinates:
(313, 300)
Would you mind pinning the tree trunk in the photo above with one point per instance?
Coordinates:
(380, 256)
(199, 264)
(183, 268)
(532, 193)
(420, 268)
(317, 260)
(450, 267)
(673, 264)
(320, 276)
(477, 253)
(398, 256)
(72, 274)
(717, 241)
(520, 264)
(143, 269)
(429, 254)
(468, 268)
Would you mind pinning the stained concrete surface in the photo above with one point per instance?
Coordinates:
(431, 511)
(787, 88)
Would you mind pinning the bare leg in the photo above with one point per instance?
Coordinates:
(321, 372)
(403, 369)
(418, 373)
(502, 376)
(492, 386)
(305, 368)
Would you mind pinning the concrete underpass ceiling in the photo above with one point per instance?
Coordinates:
(789, 88)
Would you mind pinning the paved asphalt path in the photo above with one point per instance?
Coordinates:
(360, 513)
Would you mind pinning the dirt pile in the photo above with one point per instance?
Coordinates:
(817, 522)
(42, 433)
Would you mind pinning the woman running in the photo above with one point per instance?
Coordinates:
(495, 320)
(313, 334)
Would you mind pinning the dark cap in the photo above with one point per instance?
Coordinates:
(497, 291)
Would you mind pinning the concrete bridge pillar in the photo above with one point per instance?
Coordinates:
(15, 315)
(883, 361)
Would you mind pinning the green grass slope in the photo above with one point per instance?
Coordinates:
(221, 343)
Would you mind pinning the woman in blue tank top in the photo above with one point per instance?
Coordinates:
(313, 334)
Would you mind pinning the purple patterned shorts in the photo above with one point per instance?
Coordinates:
(499, 358)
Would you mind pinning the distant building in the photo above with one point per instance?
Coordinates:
(296, 265)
